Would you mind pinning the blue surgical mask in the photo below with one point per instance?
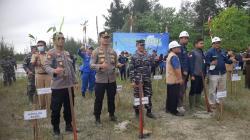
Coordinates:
(40, 49)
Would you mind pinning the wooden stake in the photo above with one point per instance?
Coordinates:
(35, 124)
(72, 113)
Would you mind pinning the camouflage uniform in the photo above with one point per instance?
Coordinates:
(6, 66)
(27, 66)
(140, 67)
(13, 67)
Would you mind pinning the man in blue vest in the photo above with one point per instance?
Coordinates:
(184, 60)
(87, 74)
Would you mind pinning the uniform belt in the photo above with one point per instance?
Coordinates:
(42, 73)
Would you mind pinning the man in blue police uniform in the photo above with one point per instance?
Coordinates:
(87, 74)
(122, 65)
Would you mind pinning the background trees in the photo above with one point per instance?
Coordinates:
(230, 20)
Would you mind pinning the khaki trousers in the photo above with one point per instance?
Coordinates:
(43, 81)
(216, 84)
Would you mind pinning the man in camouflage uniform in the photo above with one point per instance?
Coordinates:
(13, 67)
(30, 71)
(104, 61)
(140, 67)
(6, 66)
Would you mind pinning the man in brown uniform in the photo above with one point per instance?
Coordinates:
(104, 61)
(59, 65)
(42, 79)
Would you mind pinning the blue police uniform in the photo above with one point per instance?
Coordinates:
(123, 60)
(87, 74)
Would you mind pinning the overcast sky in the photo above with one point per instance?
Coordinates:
(18, 18)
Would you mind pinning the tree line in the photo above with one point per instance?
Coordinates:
(230, 20)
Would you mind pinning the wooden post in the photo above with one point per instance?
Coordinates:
(72, 113)
(208, 107)
(35, 122)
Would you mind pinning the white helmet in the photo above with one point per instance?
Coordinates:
(173, 44)
(216, 39)
(184, 34)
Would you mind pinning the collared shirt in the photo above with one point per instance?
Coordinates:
(184, 60)
(62, 59)
(99, 56)
(222, 59)
(38, 59)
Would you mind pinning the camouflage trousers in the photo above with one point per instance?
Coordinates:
(7, 78)
(31, 88)
(147, 92)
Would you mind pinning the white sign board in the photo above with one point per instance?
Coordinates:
(35, 114)
(158, 77)
(144, 101)
(236, 77)
(221, 94)
(119, 88)
(41, 91)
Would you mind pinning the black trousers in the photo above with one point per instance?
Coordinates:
(196, 86)
(123, 73)
(173, 91)
(59, 98)
(100, 89)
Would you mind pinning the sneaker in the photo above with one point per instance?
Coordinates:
(113, 118)
(179, 114)
(181, 109)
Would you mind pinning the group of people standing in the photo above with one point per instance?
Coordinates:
(55, 69)
(8, 65)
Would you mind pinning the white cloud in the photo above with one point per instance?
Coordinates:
(21, 17)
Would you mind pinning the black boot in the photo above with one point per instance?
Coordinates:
(97, 120)
(137, 113)
(150, 114)
(56, 130)
(68, 127)
(112, 117)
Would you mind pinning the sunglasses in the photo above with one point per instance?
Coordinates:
(216, 42)
(60, 38)
(40, 45)
(106, 37)
(142, 45)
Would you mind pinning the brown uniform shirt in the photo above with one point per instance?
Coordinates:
(99, 56)
(62, 59)
(38, 59)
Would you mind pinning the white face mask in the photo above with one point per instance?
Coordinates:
(40, 49)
